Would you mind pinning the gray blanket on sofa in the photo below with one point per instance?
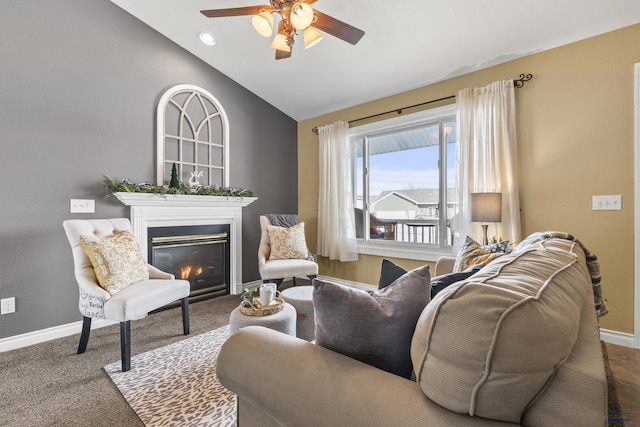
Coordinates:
(593, 265)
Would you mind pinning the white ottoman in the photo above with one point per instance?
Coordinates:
(301, 297)
(283, 321)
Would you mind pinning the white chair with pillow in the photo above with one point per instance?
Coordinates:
(283, 249)
(115, 282)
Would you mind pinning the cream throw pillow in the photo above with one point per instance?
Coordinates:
(288, 243)
(116, 259)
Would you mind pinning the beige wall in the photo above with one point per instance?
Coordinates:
(576, 139)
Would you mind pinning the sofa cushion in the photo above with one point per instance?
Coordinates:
(377, 328)
(471, 253)
(488, 345)
(116, 259)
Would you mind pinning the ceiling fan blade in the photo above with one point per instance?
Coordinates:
(282, 54)
(337, 28)
(236, 11)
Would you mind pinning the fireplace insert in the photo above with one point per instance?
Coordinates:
(197, 253)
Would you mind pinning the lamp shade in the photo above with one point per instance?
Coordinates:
(301, 15)
(263, 23)
(485, 207)
(311, 37)
(280, 43)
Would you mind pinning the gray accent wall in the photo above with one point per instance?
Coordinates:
(79, 83)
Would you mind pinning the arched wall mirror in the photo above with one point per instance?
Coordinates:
(193, 133)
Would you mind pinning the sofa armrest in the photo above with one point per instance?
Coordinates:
(444, 265)
(294, 383)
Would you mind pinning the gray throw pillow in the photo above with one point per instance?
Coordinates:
(375, 329)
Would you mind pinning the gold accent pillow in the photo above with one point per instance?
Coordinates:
(288, 243)
(116, 259)
(472, 253)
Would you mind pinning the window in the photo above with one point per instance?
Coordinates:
(404, 177)
(192, 133)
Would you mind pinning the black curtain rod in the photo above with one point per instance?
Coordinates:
(518, 83)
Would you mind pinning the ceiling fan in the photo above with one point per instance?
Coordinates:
(294, 16)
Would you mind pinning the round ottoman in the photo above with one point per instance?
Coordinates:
(283, 321)
(301, 297)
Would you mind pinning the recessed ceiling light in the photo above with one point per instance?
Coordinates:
(207, 39)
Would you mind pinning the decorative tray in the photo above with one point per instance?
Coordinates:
(259, 310)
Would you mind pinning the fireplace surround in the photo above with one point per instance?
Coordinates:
(148, 211)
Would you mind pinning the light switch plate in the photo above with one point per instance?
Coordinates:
(82, 206)
(607, 203)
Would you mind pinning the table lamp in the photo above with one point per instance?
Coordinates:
(485, 207)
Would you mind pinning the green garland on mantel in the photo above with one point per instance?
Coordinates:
(126, 186)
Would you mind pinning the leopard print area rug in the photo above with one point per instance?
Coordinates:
(176, 385)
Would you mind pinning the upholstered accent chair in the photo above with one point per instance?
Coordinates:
(276, 270)
(131, 301)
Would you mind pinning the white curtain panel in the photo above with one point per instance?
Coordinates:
(336, 223)
(487, 158)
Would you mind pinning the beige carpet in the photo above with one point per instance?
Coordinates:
(176, 385)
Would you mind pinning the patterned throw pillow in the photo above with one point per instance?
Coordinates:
(471, 253)
(116, 259)
(288, 243)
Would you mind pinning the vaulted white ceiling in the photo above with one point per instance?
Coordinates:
(407, 43)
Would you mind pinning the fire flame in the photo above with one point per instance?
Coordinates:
(185, 272)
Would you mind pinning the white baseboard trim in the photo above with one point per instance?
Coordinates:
(48, 334)
(618, 338)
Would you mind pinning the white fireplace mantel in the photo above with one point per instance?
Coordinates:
(151, 199)
(170, 210)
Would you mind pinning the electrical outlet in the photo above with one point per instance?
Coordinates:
(7, 305)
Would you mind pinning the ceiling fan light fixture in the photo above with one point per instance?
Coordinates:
(263, 23)
(311, 37)
(301, 15)
(294, 17)
(280, 43)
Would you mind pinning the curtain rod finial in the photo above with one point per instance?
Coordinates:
(519, 83)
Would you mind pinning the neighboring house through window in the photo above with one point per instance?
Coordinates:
(404, 189)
